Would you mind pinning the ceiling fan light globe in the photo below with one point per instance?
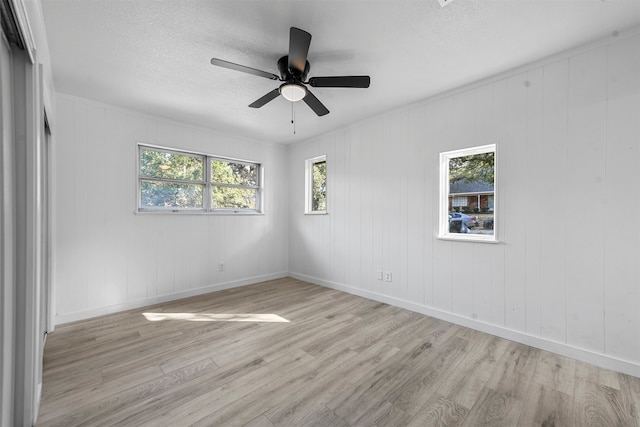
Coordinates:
(293, 92)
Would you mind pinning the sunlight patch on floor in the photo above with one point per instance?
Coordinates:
(215, 317)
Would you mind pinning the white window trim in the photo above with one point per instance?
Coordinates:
(443, 214)
(308, 184)
(206, 209)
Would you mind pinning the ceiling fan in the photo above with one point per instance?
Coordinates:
(293, 69)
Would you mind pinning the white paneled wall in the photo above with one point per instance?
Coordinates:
(109, 258)
(565, 274)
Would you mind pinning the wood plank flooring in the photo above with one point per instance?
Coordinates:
(339, 360)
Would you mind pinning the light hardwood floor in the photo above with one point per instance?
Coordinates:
(340, 360)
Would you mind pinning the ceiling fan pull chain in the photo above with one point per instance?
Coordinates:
(293, 117)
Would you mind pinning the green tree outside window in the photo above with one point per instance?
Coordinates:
(319, 187)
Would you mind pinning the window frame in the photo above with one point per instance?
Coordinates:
(207, 184)
(443, 209)
(308, 194)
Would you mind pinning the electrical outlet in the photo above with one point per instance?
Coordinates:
(379, 275)
(221, 266)
(387, 276)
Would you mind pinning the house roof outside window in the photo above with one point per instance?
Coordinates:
(472, 187)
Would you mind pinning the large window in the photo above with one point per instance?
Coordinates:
(178, 181)
(467, 194)
(316, 185)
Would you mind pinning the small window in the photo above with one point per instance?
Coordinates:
(177, 181)
(468, 194)
(458, 201)
(316, 185)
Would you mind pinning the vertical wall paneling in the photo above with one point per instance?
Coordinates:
(368, 207)
(80, 206)
(402, 287)
(622, 186)
(416, 262)
(393, 204)
(183, 252)
(339, 231)
(534, 206)
(564, 273)
(378, 168)
(430, 181)
(94, 207)
(345, 149)
(585, 194)
(328, 231)
(65, 217)
(513, 189)
(553, 245)
(296, 208)
(443, 262)
(165, 255)
(355, 176)
(115, 288)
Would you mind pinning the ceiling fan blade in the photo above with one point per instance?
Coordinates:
(299, 41)
(267, 98)
(315, 104)
(340, 81)
(244, 69)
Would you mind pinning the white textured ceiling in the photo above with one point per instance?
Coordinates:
(153, 56)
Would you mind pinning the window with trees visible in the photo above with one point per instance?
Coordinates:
(316, 185)
(178, 181)
(467, 194)
(234, 185)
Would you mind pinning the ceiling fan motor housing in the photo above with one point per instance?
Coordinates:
(292, 75)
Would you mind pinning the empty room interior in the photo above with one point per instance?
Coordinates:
(320, 213)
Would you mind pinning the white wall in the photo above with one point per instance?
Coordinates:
(109, 258)
(565, 276)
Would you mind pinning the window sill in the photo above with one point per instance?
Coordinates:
(186, 212)
(317, 213)
(468, 238)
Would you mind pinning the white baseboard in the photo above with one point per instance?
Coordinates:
(129, 305)
(598, 359)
